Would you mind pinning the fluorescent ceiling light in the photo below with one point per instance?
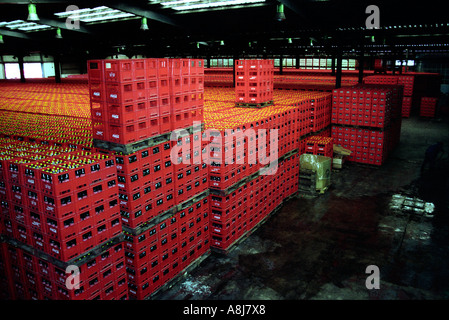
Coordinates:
(24, 25)
(186, 5)
(96, 14)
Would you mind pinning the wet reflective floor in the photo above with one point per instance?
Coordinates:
(319, 248)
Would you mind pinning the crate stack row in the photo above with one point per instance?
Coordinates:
(163, 183)
(166, 246)
(60, 207)
(253, 81)
(237, 210)
(136, 99)
(152, 191)
(320, 113)
(428, 106)
(407, 81)
(361, 106)
(241, 196)
(415, 86)
(367, 120)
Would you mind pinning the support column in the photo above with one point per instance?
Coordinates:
(233, 69)
(57, 64)
(21, 69)
(361, 63)
(281, 67)
(333, 64)
(338, 71)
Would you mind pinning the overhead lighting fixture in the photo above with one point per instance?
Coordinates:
(58, 33)
(144, 25)
(280, 15)
(195, 5)
(1, 39)
(97, 14)
(23, 25)
(32, 13)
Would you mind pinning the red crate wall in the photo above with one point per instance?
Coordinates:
(367, 146)
(234, 214)
(35, 278)
(134, 99)
(428, 107)
(157, 255)
(62, 205)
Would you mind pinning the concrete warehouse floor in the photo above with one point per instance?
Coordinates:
(319, 248)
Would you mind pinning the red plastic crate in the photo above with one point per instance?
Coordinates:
(128, 113)
(123, 93)
(118, 70)
(95, 70)
(152, 108)
(97, 91)
(128, 133)
(151, 67)
(164, 106)
(165, 124)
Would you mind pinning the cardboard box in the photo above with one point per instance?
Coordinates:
(339, 150)
(319, 164)
(337, 162)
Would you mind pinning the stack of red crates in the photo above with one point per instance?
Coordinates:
(157, 181)
(406, 81)
(62, 203)
(164, 248)
(240, 210)
(32, 277)
(319, 145)
(240, 197)
(125, 100)
(135, 99)
(186, 92)
(381, 79)
(367, 146)
(254, 81)
(359, 106)
(406, 107)
(428, 107)
(365, 119)
(320, 113)
(152, 187)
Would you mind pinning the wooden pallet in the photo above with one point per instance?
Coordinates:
(143, 144)
(307, 183)
(77, 261)
(246, 234)
(312, 191)
(179, 277)
(254, 105)
(255, 175)
(165, 215)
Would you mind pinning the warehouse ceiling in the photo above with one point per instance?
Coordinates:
(217, 27)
